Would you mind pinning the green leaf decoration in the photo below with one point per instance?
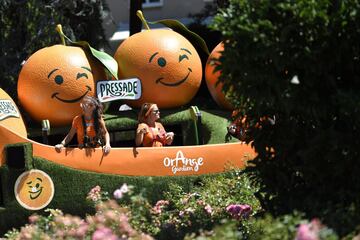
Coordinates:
(180, 28)
(108, 61)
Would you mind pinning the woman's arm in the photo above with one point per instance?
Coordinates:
(140, 132)
(107, 146)
(67, 139)
(169, 136)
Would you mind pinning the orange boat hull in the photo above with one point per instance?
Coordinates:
(166, 161)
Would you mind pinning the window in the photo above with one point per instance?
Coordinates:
(152, 3)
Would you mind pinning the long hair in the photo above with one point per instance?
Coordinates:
(144, 112)
(97, 116)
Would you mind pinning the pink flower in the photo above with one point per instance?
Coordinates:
(82, 229)
(103, 233)
(157, 209)
(33, 218)
(309, 231)
(124, 188)
(95, 194)
(239, 211)
(118, 194)
(208, 209)
(161, 203)
(125, 226)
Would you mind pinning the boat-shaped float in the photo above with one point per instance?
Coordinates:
(131, 161)
(141, 161)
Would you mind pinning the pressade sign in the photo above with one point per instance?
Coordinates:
(124, 89)
(8, 109)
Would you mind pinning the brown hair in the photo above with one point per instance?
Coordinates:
(97, 115)
(145, 111)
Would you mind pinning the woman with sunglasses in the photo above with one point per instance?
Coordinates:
(151, 133)
(89, 127)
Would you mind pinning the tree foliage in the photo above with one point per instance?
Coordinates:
(27, 26)
(298, 62)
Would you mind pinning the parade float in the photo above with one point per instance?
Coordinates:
(51, 84)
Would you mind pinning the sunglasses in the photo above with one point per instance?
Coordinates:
(89, 104)
(156, 111)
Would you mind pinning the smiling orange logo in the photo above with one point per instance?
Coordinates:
(53, 81)
(167, 64)
(34, 189)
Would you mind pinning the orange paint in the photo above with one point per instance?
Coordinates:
(53, 81)
(166, 63)
(212, 78)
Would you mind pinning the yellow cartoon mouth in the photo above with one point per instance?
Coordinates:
(71, 100)
(159, 80)
(36, 194)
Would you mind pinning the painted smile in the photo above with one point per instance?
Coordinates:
(36, 194)
(71, 100)
(159, 80)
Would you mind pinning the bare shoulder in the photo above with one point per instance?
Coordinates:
(159, 125)
(142, 125)
(76, 121)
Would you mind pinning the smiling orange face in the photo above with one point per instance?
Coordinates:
(34, 189)
(53, 81)
(166, 63)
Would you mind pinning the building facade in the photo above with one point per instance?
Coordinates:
(117, 25)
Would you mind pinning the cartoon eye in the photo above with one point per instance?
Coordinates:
(37, 185)
(162, 62)
(80, 75)
(182, 57)
(59, 79)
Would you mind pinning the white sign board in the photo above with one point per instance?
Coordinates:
(8, 109)
(125, 89)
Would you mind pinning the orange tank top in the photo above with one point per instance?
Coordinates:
(155, 137)
(78, 125)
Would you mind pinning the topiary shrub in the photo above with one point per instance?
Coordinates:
(297, 63)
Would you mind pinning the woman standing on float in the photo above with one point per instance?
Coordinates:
(150, 133)
(89, 127)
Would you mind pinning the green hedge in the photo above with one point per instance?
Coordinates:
(72, 186)
(213, 127)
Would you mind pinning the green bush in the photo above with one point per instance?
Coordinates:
(182, 212)
(298, 63)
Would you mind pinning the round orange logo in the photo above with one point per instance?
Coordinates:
(34, 189)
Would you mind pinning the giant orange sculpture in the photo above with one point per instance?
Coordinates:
(166, 63)
(53, 81)
(212, 78)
